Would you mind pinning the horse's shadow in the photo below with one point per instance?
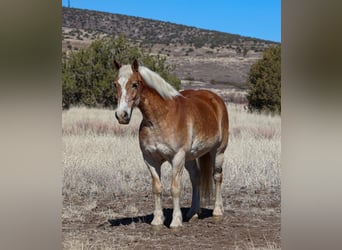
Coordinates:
(205, 213)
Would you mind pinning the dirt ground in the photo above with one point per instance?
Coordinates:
(251, 221)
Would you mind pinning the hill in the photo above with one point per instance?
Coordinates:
(203, 55)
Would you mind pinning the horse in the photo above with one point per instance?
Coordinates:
(188, 129)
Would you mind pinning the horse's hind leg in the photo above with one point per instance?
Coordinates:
(155, 167)
(194, 173)
(218, 209)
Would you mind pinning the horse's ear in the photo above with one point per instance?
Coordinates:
(117, 65)
(135, 65)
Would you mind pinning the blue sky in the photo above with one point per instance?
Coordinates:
(254, 18)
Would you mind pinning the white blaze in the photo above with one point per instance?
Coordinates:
(123, 106)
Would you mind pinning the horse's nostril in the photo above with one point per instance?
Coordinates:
(122, 115)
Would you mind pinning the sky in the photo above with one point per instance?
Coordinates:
(254, 18)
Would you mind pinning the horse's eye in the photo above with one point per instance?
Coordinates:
(134, 85)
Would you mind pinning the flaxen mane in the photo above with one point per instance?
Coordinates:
(152, 79)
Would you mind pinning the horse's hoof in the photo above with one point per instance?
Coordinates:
(194, 218)
(218, 212)
(157, 221)
(176, 224)
(217, 218)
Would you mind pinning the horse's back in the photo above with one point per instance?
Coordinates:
(207, 100)
(206, 96)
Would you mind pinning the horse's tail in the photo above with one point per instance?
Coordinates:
(206, 176)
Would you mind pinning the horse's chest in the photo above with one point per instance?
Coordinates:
(159, 148)
(154, 144)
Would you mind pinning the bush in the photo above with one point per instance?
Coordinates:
(88, 74)
(264, 85)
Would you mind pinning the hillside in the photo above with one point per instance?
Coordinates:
(203, 55)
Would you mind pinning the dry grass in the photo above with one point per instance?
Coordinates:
(101, 157)
(91, 122)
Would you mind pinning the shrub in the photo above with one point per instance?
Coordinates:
(264, 85)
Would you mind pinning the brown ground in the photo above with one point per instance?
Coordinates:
(251, 220)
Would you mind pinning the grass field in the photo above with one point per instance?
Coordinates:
(102, 157)
(102, 161)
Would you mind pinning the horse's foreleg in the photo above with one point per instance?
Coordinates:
(158, 218)
(194, 173)
(177, 170)
(218, 209)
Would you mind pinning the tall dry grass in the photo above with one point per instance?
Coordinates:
(101, 157)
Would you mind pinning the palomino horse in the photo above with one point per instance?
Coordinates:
(188, 129)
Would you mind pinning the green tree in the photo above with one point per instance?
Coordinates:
(264, 83)
(88, 74)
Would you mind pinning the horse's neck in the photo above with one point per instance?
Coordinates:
(153, 106)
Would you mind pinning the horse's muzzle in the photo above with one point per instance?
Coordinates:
(122, 117)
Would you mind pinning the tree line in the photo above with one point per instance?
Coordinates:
(88, 75)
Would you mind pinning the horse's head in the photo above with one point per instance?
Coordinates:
(128, 85)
